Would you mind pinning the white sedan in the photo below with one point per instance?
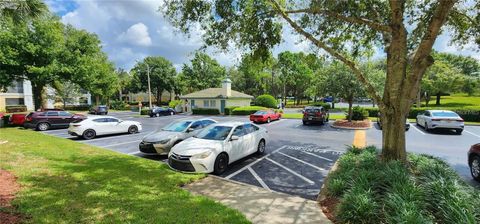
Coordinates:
(441, 119)
(102, 125)
(216, 146)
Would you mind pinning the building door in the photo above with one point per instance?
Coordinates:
(192, 104)
(222, 106)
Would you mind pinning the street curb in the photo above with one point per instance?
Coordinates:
(351, 128)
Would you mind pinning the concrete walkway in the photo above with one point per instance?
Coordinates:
(259, 205)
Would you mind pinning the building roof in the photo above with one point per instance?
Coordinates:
(215, 93)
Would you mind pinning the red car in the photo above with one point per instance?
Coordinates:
(474, 161)
(43, 121)
(17, 119)
(263, 116)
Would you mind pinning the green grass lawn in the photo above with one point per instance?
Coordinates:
(456, 100)
(68, 182)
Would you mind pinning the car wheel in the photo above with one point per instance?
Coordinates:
(261, 147)
(43, 126)
(221, 164)
(475, 168)
(459, 131)
(171, 113)
(426, 127)
(305, 123)
(89, 134)
(157, 115)
(132, 129)
(151, 115)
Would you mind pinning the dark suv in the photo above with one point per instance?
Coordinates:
(315, 115)
(99, 110)
(158, 111)
(45, 120)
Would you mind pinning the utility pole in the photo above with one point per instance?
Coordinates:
(149, 89)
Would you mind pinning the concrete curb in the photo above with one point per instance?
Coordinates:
(351, 128)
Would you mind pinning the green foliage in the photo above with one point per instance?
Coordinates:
(295, 73)
(205, 111)
(247, 110)
(229, 110)
(254, 75)
(145, 111)
(372, 191)
(90, 184)
(15, 108)
(266, 101)
(204, 72)
(359, 113)
(22, 11)
(321, 104)
(119, 105)
(174, 103)
(77, 107)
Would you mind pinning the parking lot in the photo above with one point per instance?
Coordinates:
(297, 157)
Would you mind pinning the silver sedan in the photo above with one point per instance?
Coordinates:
(162, 141)
(440, 119)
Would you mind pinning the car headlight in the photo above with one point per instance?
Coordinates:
(165, 141)
(202, 155)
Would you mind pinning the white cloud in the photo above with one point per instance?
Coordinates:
(137, 34)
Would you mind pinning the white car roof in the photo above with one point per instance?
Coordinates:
(441, 111)
(99, 116)
(230, 123)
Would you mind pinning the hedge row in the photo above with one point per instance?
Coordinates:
(247, 110)
(472, 115)
(229, 110)
(205, 111)
(77, 107)
(15, 108)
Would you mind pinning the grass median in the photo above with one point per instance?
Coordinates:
(68, 182)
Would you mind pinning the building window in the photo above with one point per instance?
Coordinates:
(14, 101)
(206, 103)
(213, 103)
(16, 87)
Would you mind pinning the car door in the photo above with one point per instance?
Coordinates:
(251, 139)
(53, 119)
(100, 126)
(237, 147)
(64, 118)
(115, 126)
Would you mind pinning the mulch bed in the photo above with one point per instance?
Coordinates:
(8, 188)
(354, 124)
(328, 207)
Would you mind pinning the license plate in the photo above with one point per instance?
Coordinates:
(309, 118)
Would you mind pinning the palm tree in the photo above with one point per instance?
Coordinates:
(21, 10)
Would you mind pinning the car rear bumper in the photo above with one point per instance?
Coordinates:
(29, 125)
(445, 125)
(313, 119)
(258, 119)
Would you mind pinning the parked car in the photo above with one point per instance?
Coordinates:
(440, 119)
(45, 120)
(217, 146)
(17, 119)
(157, 111)
(474, 161)
(102, 125)
(328, 99)
(314, 114)
(263, 116)
(99, 110)
(162, 141)
(379, 122)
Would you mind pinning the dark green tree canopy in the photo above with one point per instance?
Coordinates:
(203, 72)
(162, 75)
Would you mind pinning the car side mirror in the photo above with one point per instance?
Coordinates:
(233, 138)
(190, 129)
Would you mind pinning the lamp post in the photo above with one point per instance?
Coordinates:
(149, 89)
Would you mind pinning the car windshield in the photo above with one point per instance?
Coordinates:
(444, 114)
(215, 133)
(260, 113)
(177, 126)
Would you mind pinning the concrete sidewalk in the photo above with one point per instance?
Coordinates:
(258, 204)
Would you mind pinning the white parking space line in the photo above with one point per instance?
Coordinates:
(55, 130)
(306, 163)
(117, 136)
(291, 171)
(253, 163)
(321, 157)
(275, 122)
(414, 126)
(258, 178)
(121, 143)
(298, 125)
(472, 133)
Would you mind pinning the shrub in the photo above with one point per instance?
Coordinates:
(427, 191)
(359, 113)
(15, 108)
(327, 106)
(205, 111)
(229, 110)
(173, 104)
(83, 107)
(119, 105)
(266, 101)
(247, 110)
(144, 111)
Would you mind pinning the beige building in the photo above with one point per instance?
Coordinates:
(20, 93)
(218, 98)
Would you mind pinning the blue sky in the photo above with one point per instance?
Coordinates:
(133, 29)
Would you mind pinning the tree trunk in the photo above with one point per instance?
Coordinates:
(37, 90)
(97, 99)
(438, 99)
(333, 102)
(350, 105)
(393, 133)
(419, 98)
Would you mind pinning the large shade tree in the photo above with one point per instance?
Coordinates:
(405, 30)
(203, 72)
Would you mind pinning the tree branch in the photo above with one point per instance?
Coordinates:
(355, 20)
(332, 52)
